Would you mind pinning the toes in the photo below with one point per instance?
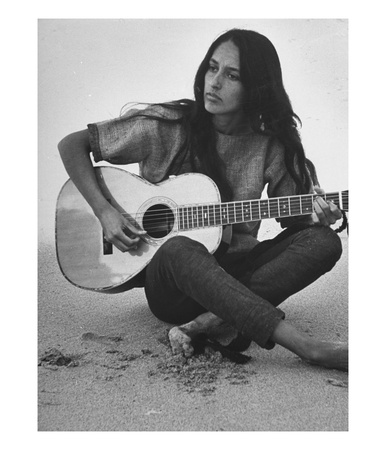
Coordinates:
(187, 350)
(180, 343)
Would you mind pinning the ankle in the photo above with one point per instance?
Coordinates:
(312, 352)
(297, 342)
(191, 329)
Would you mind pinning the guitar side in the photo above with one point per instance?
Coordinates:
(84, 256)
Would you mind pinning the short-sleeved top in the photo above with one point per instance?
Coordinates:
(252, 161)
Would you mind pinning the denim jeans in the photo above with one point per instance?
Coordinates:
(184, 280)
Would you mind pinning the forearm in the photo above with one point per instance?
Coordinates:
(74, 150)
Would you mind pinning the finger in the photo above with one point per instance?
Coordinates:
(123, 242)
(132, 229)
(319, 190)
(133, 244)
(335, 211)
(330, 210)
(320, 210)
(125, 248)
(315, 218)
(131, 236)
(327, 212)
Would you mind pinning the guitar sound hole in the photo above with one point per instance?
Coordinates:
(158, 221)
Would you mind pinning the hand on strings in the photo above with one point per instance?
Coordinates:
(119, 231)
(325, 213)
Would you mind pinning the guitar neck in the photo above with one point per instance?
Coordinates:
(216, 214)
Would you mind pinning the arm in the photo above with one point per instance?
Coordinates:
(75, 150)
(324, 214)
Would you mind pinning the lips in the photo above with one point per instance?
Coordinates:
(212, 96)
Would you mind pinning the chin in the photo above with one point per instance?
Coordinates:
(212, 109)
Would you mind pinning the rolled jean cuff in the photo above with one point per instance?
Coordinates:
(260, 327)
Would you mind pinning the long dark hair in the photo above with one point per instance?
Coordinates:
(267, 107)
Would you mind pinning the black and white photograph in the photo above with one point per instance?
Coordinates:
(193, 224)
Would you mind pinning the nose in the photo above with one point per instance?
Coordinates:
(216, 81)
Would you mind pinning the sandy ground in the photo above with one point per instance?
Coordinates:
(117, 373)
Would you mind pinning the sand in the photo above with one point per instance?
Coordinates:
(104, 365)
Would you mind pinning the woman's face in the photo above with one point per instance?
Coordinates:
(224, 93)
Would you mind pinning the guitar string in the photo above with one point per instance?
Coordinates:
(259, 202)
(199, 221)
(217, 209)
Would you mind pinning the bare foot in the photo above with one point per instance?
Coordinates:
(180, 342)
(332, 355)
(181, 337)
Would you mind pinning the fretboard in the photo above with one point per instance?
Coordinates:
(216, 214)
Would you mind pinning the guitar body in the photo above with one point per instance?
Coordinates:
(88, 261)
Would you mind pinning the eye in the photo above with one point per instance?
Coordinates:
(212, 68)
(234, 77)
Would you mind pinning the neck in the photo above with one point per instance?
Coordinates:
(231, 124)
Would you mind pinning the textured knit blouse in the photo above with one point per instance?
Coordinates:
(252, 161)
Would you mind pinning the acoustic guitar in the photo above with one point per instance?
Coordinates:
(186, 205)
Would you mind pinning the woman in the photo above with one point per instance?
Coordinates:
(241, 131)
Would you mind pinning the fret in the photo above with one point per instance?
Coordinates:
(231, 213)
(217, 214)
(194, 215)
(180, 222)
(238, 212)
(306, 204)
(264, 209)
(205, 215)
(199, 216)
(183, 218)
(189, 217)
(273, 207)
(224, 214)
(192, 225)
(284, 207)
(247, 211)
(255, 210)
(211, 215)
(186, 220)
(295, 206)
